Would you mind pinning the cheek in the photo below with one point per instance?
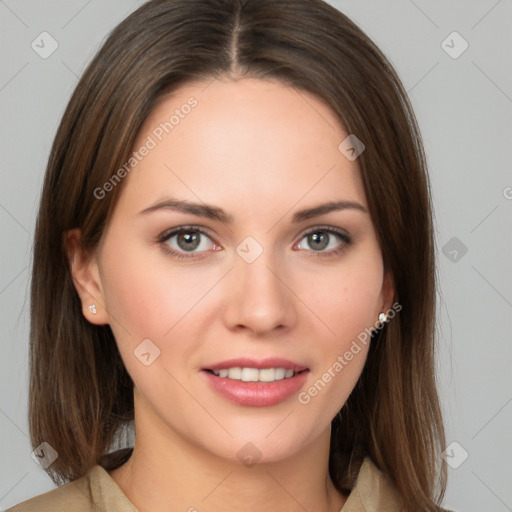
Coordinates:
(148, 297)
(346, 302)
(347, 299)
(146, 294)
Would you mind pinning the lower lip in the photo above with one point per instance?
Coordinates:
(256, 394)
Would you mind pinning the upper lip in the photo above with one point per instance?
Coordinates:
(247, 362)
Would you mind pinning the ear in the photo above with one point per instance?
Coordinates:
(86, 278)
(388, 291)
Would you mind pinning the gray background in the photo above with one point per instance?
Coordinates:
(464, 107)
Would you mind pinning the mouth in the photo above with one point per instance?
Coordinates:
(248, 382)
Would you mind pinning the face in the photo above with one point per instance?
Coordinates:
(252, 284)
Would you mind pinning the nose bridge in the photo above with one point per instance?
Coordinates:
(260, 301)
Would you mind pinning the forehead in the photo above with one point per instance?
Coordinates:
(240, 143)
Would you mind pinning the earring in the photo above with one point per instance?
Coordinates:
(383, 318)
(92, 309)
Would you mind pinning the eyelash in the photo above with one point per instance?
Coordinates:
(167, 235)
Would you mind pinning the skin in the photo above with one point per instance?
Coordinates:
(260, 151)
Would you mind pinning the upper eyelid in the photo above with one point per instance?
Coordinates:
(330, 229)
(169, 233)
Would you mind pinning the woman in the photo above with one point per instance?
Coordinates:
(234, 250)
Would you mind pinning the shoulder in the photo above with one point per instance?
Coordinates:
(74, 496)
(94, 492)
(373, 491)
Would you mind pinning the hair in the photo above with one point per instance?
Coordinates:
(81, 395)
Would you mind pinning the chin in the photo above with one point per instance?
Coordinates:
(258, 445)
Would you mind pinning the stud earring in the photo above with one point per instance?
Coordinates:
(92, 309)
(383, 318)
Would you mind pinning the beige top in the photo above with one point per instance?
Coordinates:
(98, 492)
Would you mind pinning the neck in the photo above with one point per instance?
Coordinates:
(167, 473)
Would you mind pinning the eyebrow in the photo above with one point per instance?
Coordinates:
(216, 213)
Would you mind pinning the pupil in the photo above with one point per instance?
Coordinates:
(191, 241)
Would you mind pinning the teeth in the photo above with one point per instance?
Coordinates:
(235, 373)
(267, 375)
(249, 374)
(254, 375)
(279, 373)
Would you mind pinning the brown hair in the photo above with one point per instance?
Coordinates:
(80, 392)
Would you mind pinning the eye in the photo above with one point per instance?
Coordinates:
(325, 241)
(186, 239)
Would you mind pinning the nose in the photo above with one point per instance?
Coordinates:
(259, 298)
